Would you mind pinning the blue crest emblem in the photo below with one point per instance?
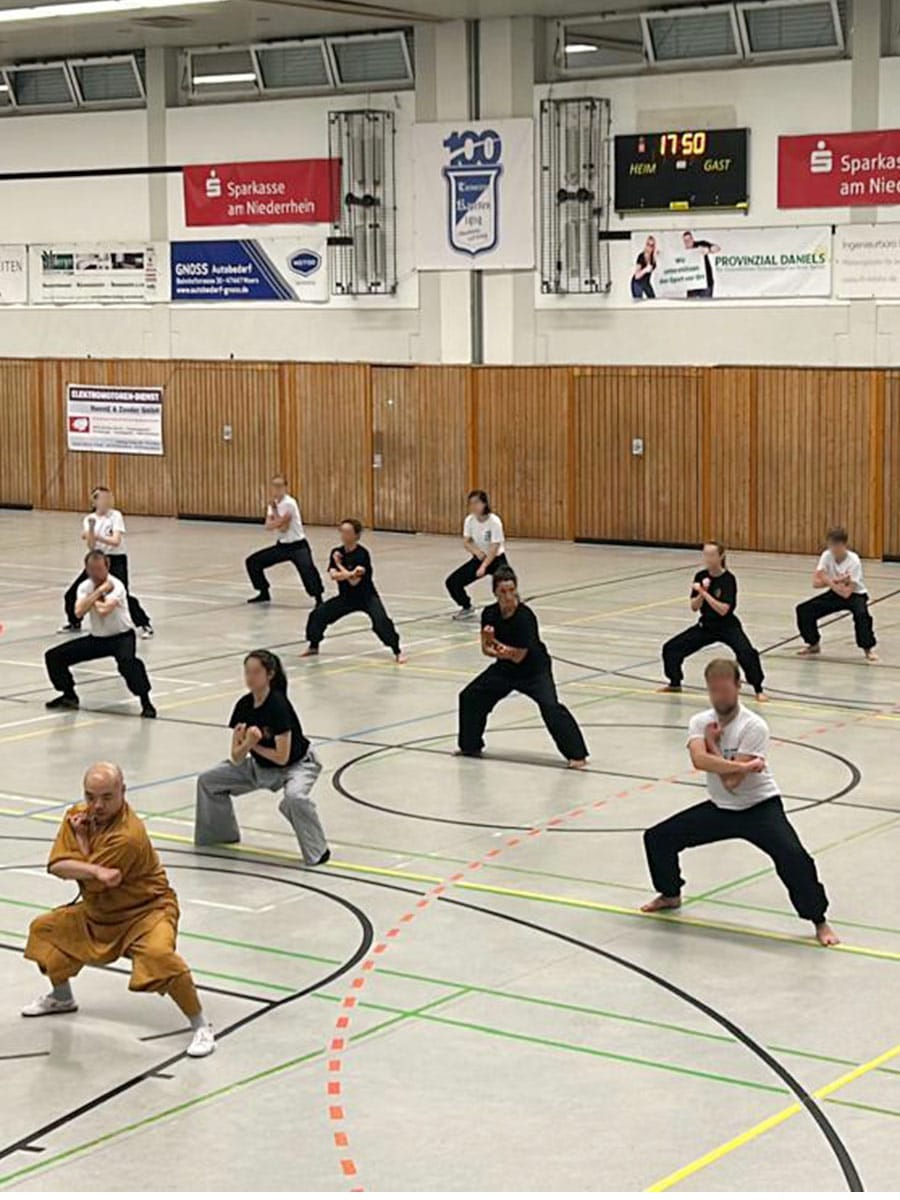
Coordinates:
(305, 262)
(473, 190)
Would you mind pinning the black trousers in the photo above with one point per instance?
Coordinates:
(118, 566)
(297, 553)
(478, 698)
(730, 633)
(457, 581)
(338, 607)
(121, 646)
(810, 612)
(765, 826)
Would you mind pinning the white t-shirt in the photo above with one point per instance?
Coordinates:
(289, 507)
(485, 534)
(118, 621)
(746, 733)
(104, 527)
(851, 566)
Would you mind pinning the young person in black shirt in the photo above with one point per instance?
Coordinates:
(350, 566)
(714, 597)
(268, 751)
(708, 248)
(510, 635)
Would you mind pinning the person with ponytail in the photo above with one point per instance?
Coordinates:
(714, 597)
(484, 543)
(269, 752)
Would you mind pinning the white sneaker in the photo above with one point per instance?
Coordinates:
(46, 1006)
(465, 614)
(202, 1043)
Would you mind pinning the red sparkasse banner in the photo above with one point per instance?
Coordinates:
(293, 192)
(830, 170)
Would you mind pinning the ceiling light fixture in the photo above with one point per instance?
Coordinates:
(580, 48)
(90, 8)
(232, 77)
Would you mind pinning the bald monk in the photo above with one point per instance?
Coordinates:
(126, 908)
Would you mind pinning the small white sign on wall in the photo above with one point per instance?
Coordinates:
(13, 274)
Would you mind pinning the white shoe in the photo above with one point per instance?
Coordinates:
(146, 631)
(465, 614)
(46, 1006)
(202, 1043)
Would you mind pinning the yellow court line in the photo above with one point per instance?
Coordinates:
(21, 737)
(772, 1122)
(621, 612)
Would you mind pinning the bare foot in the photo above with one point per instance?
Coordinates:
(871, 656)
(809, 651)
(762, 698)
(826, 936)
(577, 764)
(659, 903)
(669, 688)
(309, 652)
(400, 658)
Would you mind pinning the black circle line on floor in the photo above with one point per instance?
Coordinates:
(366, 939)
(401, 622)
(851, 1175)
(337, 779)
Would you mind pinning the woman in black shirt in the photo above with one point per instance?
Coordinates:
(350, 566)
(510, 635)
(268, 751)
(642, 275)
(714, 597)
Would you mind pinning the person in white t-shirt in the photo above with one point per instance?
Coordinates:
(731, 744)
(839, 570)
(483, 539)
(104, 601)
(283, 517)
(104, 529)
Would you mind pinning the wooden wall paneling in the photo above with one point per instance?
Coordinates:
(891, 501)
(289, 432)
(609, 491)
(213, 476)
(815, 458)
(334, 440)
(442, 448)
(20, 382)
(729, 459)
(671, 400)
(523, 447)
(145, 483)
(395, 448)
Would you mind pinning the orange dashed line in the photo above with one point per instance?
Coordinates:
(380, 948)
(577, 812)
(407, 917)
(513, 842)
(334, 1088)
(393, 933)
(622, 795)
(555, 821)
(459, 875)
(334, 1064)
(439, 890)
(341, 1139)
(358, 982)
(534, 833)
(493, 853)
(349, 1002)
(348, 1166)
(343, 1022)
(422, 903)
(473, 866)
(337, 1043)
(647, 787)
(336, 1112)
(368, 965)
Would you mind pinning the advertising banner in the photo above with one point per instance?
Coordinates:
(829, 170)
(291, 269)
(474, 195)
(114, 420)
(118, 273)
(302, 191)
(728, 264)
(867, 262)
(13, 275)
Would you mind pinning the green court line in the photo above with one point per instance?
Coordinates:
(783, 912)
(882, 1112)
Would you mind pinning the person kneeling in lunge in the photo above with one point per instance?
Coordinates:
(731, 745)
(268, 751)
(126, 908)
(510, 635)
(839, 570)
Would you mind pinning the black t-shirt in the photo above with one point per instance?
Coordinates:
(521, 632)
(360, 592)
(702, 244)
(275, 715)
(722, 588)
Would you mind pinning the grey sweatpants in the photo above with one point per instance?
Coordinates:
(215, 821)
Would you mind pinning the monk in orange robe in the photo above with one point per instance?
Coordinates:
(126, 908)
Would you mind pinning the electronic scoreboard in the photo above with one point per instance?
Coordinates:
(681, 169)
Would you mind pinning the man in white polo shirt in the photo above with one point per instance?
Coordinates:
(283, 517)
(731, 745)
(839, 571)
(104, 601)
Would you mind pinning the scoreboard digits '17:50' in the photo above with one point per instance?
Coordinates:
(681, 169)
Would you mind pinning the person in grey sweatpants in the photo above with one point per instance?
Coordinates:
(268, 753)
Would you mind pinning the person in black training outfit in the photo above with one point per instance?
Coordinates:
(714, 597)
(510, 635)
(350, 566)
(708, 248)
(642, 275)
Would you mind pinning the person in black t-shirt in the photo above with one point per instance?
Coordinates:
(642, 275)
(708, 248)
(350, 566)
(268, 751)
(714, 597)
(510, 635)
